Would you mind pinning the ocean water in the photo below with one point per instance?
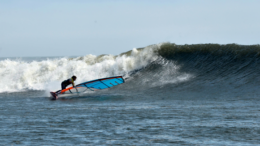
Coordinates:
(205, 94)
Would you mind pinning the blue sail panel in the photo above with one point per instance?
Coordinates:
(103, 83)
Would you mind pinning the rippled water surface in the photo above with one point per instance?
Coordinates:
(117, 120)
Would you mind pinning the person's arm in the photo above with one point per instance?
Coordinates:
(72, 82)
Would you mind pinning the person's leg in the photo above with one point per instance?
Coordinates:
(63, 86)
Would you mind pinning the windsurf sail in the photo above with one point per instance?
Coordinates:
(93, 85)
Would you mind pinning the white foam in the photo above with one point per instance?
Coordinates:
(170, 74)
(48, 74)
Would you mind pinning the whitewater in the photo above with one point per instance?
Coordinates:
(201, 94)
(21, 75)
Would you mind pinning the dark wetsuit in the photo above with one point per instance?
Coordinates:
(67, 82)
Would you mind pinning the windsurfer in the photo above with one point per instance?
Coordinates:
(67, 82)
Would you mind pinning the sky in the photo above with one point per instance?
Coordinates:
(30, 28)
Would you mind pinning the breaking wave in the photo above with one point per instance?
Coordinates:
(166, 67)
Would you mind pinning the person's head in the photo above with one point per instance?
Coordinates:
(74, 78)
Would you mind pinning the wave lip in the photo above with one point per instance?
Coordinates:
(171, 50)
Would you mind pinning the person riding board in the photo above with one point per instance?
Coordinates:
(67, 82)
(64, 84)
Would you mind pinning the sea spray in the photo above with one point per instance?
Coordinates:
(41, 75)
